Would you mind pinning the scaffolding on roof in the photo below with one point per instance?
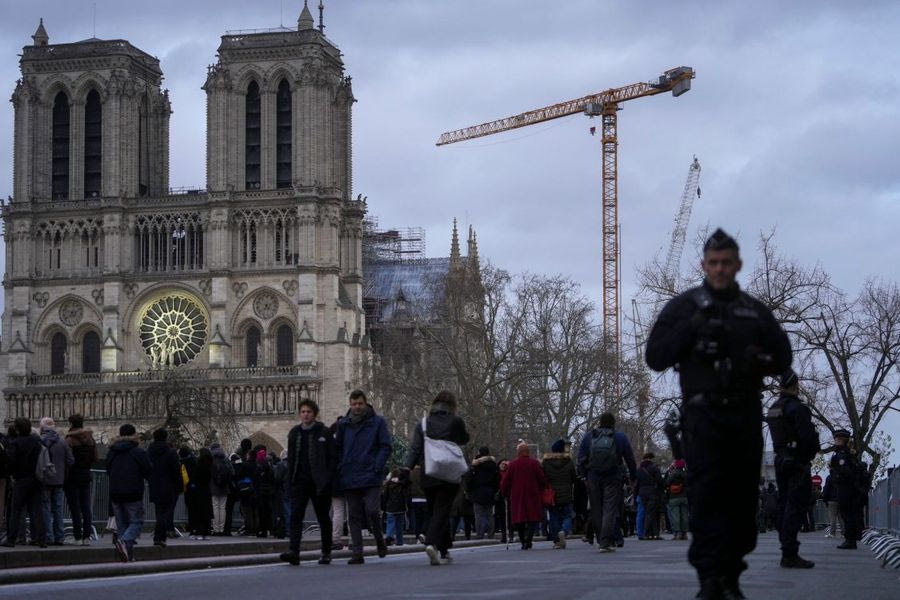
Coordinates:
(391, 245)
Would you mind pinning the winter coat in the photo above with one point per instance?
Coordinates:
(415, 483)
(201, 478)
(522, 484)
(165, 476)
(84, 450)
(128, 466)
(395, 495)
(560, 472)
(363, 450)
(264, 479)
(22, 453)
(483, 480)
(321, 454)
(462, 505)
(623, 449)
(441, 424)
(649, 480)
(221, 464)
(676, 476)
(60, 456)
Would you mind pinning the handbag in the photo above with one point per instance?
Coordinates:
(444, 459)
(548, 496)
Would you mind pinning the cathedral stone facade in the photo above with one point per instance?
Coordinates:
(250, 289)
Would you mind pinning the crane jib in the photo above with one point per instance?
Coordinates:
(677, 80)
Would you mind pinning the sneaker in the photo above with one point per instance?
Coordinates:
(121, 550)
(325, 560)
(421, 538)
(828, 535)
(561, 536)
(606, 548)
(290, 557)
(356, 560)
(432, 555)
(86, 541)
(796, 562)
(160, 543)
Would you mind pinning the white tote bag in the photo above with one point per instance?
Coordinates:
(444, 459)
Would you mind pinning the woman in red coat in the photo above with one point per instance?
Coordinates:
(522, 483)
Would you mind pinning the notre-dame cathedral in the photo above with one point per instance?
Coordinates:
(250, 288)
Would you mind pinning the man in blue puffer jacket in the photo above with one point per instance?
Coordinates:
(363, 448)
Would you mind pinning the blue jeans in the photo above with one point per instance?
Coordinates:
(560, 519)
(78, 495)
(639, 524)
(395, 524)
(52, 504)
(129, 521)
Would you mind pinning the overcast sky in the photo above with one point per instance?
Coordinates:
(794, 116)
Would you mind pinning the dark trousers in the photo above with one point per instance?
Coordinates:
(163, 510)
(26, 496)
(363, 505)
(652, 505)
(440, 503)
(78, 495)
(794, 490)
(301, 495)
(723, 446)
(229, 513)
(606, 498)
(417, 520)
(848, 502)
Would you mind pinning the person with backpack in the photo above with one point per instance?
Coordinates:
(79, 481)
(128, 465)
(245, 483)
(220, 487)
(188, 463)
(61, 458)
(441, 424)
(24, 452)
(600, 456)
(678, 503)
(650, 488)
(560, 472)
(165, 483)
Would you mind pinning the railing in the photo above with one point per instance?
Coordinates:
(152, 376)
(884, 504)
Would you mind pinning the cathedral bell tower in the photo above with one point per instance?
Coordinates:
(90, 122)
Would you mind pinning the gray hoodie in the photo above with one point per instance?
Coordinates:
(60, 455)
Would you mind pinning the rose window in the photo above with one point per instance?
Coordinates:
(173, 330)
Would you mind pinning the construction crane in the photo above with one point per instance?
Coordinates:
(679, 231)
(603, 104)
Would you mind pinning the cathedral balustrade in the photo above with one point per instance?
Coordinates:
(303, 372)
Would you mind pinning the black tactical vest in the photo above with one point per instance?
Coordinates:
(783, 435)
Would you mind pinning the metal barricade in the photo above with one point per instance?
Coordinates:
(884, 504)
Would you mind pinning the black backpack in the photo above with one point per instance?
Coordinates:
(221, 473)
(84, 457)
(604, 455)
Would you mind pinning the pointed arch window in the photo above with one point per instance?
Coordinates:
(90, 353)
(283, 135)
(253, 114)
(92, 144)
(60, 150)
(253, 346)
(284, 346)
(58, 353)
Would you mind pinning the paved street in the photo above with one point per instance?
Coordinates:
(640, 570)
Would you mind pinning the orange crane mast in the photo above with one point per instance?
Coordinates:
(605, 105)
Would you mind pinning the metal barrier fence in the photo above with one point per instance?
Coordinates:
(884, 504)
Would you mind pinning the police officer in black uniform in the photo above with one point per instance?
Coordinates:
(722, 342)
(796, 442)
(845, 477)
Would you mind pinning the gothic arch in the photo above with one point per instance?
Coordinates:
(50, 316)
(82, 86)
(277, 322)
(247, 74)
(83, 329)
(276, 73)
(141, 298)
(243, 309)
(53, 85)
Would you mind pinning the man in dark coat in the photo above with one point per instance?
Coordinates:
(165, 482)
(442, 423)
(601, 466)
(796, 443)
(483, 482)
(650, 489)
(128, 466)
(363, 448)
(78, 480)
(311, 462)
(560, 472)
(722, 342)
(845, 478)
(23, 452)
(61, 456)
